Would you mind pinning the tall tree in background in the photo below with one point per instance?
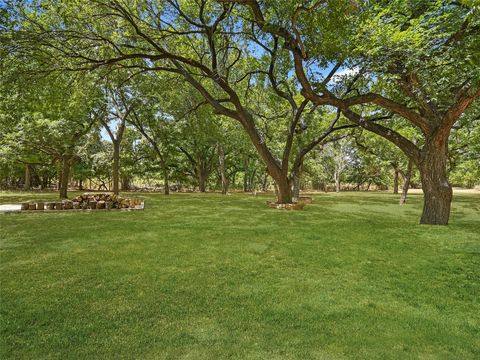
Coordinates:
(53, 118)
(119, 107)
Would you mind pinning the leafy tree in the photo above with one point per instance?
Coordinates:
(203, 48)
(53, 118)
(119, 107)
(416, 60)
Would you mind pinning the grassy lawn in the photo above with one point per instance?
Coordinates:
(206, 276)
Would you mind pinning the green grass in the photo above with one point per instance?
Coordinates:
(206, 276)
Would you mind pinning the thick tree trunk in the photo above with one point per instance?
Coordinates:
(395, 182)
(406, 183)
(116, 167)
(65, 175)
(284, 191)
(28, 177)
(436, 189)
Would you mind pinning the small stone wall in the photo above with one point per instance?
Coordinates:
(94, 201)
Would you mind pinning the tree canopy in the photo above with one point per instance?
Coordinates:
(212, 88)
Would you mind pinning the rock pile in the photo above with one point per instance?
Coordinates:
(104, 201)
(298, 205)
(93, 201)
(292, 206)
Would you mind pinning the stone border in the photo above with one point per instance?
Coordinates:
(45, 210)
(299, 205)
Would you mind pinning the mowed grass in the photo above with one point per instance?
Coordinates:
(206, 276)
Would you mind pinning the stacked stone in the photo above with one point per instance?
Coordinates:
(94, 201)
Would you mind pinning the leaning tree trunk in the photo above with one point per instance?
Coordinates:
(436, 188)
(65, 175)
(28, 177)
(116, 167)
(406, 183)
(395, 182)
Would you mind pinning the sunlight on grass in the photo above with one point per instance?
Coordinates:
(205, 276)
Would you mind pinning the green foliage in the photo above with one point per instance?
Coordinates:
(149, 46)
(436, 40)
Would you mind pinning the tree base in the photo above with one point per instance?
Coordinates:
(289, 206)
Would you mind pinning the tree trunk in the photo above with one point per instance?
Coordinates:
(201, 178)
(65, 174)
(28, 177)
(337, 181)
(166, 184)
(265, 182)
(116, 167)
(251, 180)
(222, 170)
(125, 183)
(201, 183)
(297, 177)
(245, 175)
(44, 182)
(406, 183)
(296, 188)
(436, 189)
(395, 182)
(284, 191)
